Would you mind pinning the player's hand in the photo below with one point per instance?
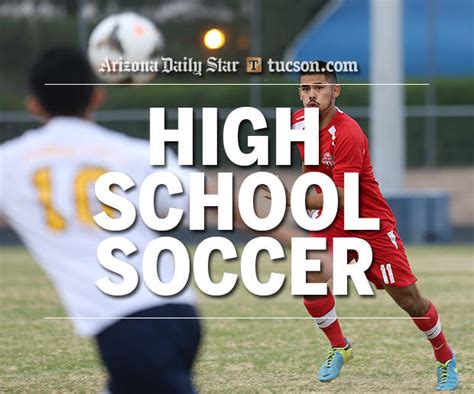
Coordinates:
(266, 192)
(268, 195)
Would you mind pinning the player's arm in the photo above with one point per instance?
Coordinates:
(315, 200)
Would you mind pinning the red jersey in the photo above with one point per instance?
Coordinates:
(344, 148)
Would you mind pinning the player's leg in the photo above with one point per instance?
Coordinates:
(151, 355)
(426, 318)
(391, 270)
(323, 310)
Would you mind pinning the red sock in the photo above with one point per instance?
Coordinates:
(323, 310)
(431, 327)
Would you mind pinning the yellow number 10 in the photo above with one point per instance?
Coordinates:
(82, 182)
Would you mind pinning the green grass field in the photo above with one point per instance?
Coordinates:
(38, 355)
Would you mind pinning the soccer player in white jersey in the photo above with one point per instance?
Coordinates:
(47, 181)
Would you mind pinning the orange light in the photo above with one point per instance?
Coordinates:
(214, 39)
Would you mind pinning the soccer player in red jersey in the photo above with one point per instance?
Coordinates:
(344, 148)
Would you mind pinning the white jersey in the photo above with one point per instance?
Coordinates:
(47, 179)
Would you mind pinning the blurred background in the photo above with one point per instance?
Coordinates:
(420, 127)
(433, 199)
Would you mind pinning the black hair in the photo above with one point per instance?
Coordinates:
(322, 69)
(62, 64)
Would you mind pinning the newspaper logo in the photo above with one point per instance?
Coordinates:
(254, 65)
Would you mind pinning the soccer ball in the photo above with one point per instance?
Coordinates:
(124, 46)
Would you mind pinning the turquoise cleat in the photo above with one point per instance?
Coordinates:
(448, 378)
(335, 359)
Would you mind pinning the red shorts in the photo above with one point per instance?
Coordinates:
(389, 266)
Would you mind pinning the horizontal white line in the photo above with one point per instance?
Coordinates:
(228, 318)
(229, 84)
